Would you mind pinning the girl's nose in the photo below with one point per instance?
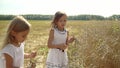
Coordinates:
(63, 22)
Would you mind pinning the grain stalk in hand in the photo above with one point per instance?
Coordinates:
(33, 61)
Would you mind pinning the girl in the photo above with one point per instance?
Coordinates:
(13, 48)
(58, 42)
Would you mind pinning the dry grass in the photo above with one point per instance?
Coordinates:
(97, 43)
(98, 47)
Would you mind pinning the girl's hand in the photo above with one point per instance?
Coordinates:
(71, 39)
(63, 46)
(33, 54)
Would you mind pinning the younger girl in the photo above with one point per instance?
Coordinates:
(58, 42)
(13, 48)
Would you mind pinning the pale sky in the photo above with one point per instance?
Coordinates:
(70, 7)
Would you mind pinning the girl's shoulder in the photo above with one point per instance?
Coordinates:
(12, 46)
(52, 30)
(8, 46)
(8, 49)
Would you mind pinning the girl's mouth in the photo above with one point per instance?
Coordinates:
(63, 25)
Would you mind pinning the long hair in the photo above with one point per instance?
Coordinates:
(18, 24)
(56, 18)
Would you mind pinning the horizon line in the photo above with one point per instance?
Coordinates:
(68, 15)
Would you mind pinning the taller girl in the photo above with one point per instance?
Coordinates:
(58, 42)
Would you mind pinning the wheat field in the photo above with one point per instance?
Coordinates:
(96, 45)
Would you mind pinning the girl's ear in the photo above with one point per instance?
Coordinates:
(13, 33)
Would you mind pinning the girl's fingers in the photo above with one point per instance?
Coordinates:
(33, 54)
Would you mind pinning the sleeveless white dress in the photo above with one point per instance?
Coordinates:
(56, 57)
(17, 54)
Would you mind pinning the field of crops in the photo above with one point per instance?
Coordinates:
(97, 43)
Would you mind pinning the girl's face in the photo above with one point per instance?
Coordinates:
(21, 36)
(62, 22)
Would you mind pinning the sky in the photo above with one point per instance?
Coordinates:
(70, 7)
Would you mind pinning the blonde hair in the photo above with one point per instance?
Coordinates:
(56, 18)
(18, 24)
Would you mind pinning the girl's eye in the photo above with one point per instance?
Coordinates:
(23, 36)
(64, 20)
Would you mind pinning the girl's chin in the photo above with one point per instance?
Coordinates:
(21, 41)
(62, 27)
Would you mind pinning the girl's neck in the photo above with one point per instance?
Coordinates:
(60, 29)
(17, 44)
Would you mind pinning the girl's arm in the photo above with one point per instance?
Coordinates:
(31, 55)
(50, 39)
(9, 61)
(26, 55)
(69, 39)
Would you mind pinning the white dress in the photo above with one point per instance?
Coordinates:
(56, 57)
(17, 54)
